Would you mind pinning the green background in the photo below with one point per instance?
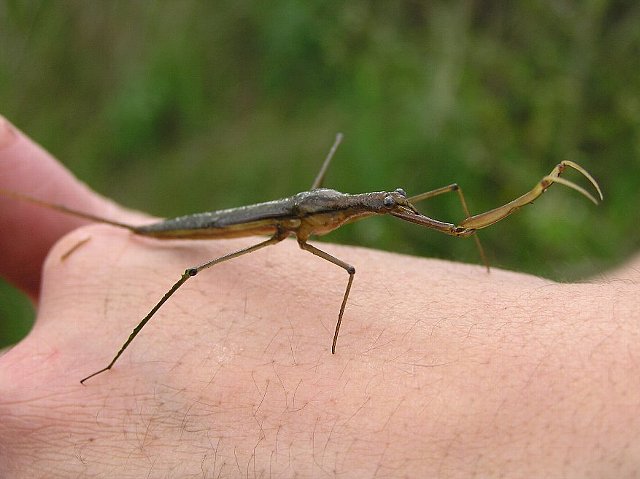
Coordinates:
(182, 106)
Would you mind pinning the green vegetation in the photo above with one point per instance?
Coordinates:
(178, 107)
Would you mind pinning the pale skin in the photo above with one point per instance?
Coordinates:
(443, 370)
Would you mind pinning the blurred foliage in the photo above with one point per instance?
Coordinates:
(177, 107)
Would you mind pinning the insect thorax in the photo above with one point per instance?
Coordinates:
(323, 210)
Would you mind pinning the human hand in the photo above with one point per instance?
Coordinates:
(440, 370)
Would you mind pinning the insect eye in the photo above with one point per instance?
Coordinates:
(388, 201)
(401, 192)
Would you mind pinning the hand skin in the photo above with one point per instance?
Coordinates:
(441, 370)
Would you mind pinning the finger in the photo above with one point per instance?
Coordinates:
(27, 231)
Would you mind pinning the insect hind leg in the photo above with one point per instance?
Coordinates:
(188, 273)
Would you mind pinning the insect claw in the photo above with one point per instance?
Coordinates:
(588, 176)
(570, 184)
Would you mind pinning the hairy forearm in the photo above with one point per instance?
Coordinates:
(440, 369)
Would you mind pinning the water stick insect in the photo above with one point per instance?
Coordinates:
(317, 211)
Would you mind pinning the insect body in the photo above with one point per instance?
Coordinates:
(314, 212)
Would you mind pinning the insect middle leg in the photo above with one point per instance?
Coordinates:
(189, 273)
(317, 183)
(457, 189)
(348, 268)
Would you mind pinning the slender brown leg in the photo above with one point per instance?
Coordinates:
(348, 268)
(457, 189)
(317, 183)
(190, 272)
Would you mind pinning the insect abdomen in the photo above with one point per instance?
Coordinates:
(263, 218)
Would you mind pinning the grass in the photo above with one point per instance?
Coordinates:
(177, 107)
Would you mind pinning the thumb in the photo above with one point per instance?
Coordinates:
(28, 231)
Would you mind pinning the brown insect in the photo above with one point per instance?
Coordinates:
(314, 212)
